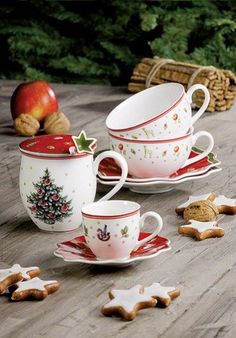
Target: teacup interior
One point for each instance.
(110, 208)
(144, 106)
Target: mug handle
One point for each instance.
(205, 103)
(124, 171)
(159, 225)
(205, 152)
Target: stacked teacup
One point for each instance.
(153, 130)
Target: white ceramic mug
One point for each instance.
(54, 185)
(112, 228)
(162, 111)
(161, 157)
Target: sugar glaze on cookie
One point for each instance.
(34, 288)
(226, 205)
(16, 274)
(127, 298)
(210, 196)
(128, 302)
(164, 294)
(201, 226)
(34, 283)
(201, 230)
(222, 200)
(16, 268)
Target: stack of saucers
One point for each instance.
(153, 131)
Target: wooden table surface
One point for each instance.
(205, 271)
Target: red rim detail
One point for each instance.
(128, 214)
(129, 140)
(53, 146)
(151, 120)
(48, 157)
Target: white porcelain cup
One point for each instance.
(54, 185)
(162, 111)
(112, 228)
(159, 157)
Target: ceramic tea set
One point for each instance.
(151, 140)
(153, 131)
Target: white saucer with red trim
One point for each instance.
(110, 171)
(77, 251)
(155, 187)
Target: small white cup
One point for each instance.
(159, 157)
(162, 111)
(112, 228)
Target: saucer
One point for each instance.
(154, 187)
(77, 251)
(109, 170)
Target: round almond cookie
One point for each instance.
(180, 208)
(203, 211)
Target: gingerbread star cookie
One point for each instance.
(163, 294)
(210, 197)
(127, 303)
(35, 288)
(16, 274)
(201, 230)
(225, 205)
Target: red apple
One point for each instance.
(35, 98)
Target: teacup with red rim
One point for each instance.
(159, 157)
(162, 111)
(111, 228)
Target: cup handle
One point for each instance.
(159, 225)
(205, 152)
(124, 171)
(205, 103)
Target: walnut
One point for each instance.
(202, 211)
(26, 125)
(56, 123)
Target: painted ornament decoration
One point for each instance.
(103, 234)
(125, 231)
(47, 203)
(84, 144)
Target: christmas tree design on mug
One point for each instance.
(47, 203)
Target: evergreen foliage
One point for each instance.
(101, 41)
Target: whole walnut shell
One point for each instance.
(202, 211)
(56, 123)
(26, 125)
